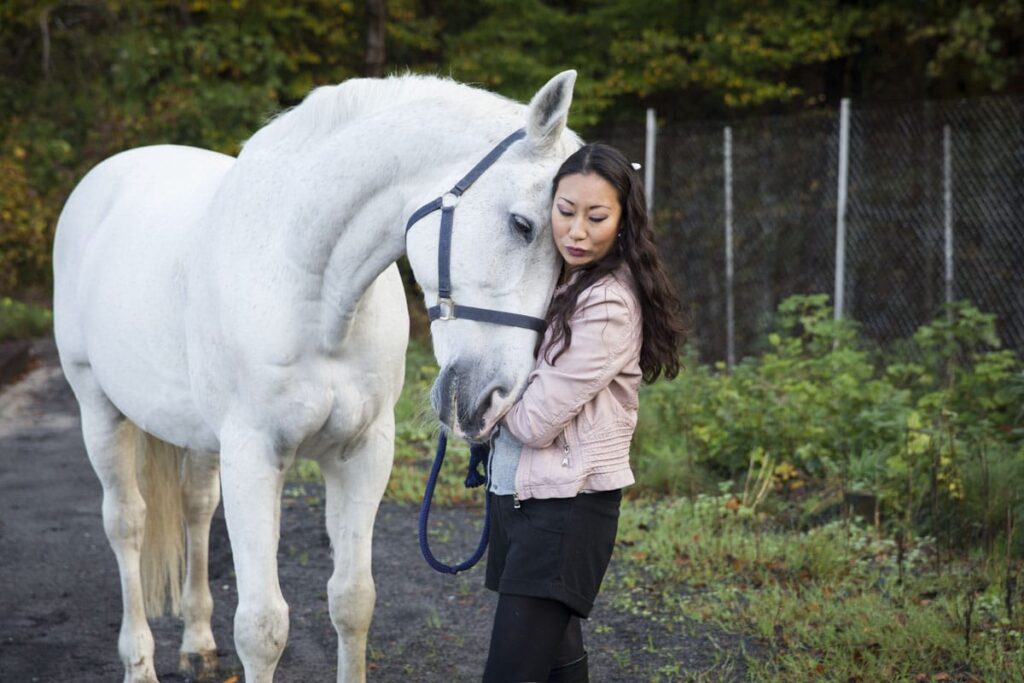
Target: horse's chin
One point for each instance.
(481, 435)
(464, 414)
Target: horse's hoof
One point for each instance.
(141, 671)
(141, 677)
(198, 666)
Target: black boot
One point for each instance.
(574, 672)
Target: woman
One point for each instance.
(560, 457)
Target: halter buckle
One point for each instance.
(447, 307)
(449, 200)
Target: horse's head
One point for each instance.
(502, 260)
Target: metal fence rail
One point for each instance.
(934, 210)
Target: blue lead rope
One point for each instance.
(477, 456)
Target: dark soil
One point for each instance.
(60, 605)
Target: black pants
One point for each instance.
(546, 559)
(535, 639)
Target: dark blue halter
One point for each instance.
(447, 309)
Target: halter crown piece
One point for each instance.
(447, 309)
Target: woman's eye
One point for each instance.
(564, 212)
(597, 219)
(522, 226)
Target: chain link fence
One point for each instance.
(922, 178)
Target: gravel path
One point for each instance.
(60, 604)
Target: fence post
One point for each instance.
(730, 321)
(844, 165)
(649, 146)
(947, 212)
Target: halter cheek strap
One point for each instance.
(446, 308)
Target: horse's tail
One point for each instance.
(158, 468)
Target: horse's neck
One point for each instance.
(337, 208)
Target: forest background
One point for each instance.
(750, 481)
(80, 81)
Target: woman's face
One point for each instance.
(585, 218)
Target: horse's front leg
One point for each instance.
(252, 475)
(200, 493)
(354, 487)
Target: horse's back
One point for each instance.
(153, 187)
(119, 289)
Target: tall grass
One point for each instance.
(835, 602)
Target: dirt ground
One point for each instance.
(60, 604)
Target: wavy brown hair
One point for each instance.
(634, 245)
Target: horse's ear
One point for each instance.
(549, 110)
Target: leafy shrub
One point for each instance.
(22, 321)
(937, 434)
(25, 221)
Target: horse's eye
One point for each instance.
(521, 225)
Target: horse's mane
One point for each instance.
(330, 106)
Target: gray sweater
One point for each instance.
(502, 462)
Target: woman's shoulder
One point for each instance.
(617, 286)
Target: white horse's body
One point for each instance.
(225, 316)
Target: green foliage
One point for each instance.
(82, 81)
(26, 221)
(925, 435)
(810, 400)
(23, 321)
(696, 58)
(973, 44)
(111, 75)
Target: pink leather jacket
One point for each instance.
(576, 418)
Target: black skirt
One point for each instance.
(555, 548)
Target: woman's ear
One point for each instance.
(549, 110)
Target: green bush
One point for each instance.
(936, 434)
(23, 321)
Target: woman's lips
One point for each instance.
(573, 251)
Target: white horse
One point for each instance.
(219, 317)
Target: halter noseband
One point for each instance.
(446, 308)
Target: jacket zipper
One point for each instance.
(515, 501)
(565, 450)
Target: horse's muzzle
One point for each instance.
(464, 396)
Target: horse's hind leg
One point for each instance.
(200, 491)
(110, 443)
(354, 488)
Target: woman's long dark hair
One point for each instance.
(659, 307)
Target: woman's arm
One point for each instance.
(603, 332)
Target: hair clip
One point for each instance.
(636, 166)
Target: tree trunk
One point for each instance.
(376, 25)
(44, 29)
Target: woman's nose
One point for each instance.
(576, 229)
